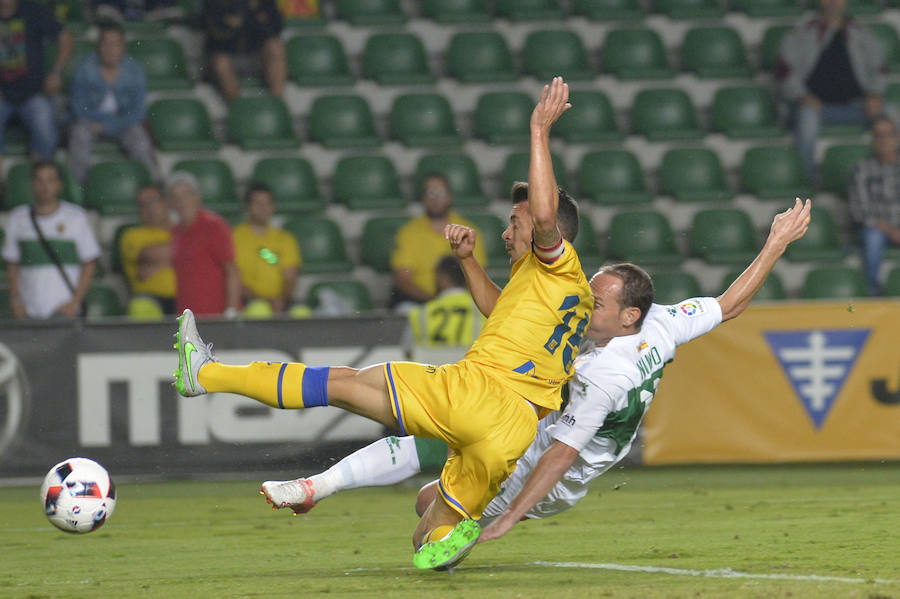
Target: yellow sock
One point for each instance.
(437, 534)
(276, 384)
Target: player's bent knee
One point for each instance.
(426, 495)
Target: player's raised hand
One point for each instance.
(461, 238)
(791, 225)
(554, 101)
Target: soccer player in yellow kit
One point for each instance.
(486, 406)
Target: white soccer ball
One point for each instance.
(78, 495)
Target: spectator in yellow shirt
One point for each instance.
(420, 244)
(268, 258)
(146, 251)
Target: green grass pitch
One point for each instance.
(779, 531)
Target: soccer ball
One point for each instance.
(78, 495)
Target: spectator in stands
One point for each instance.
(146, 250)
(449, 321)
(109, 100)
(831, 69)
(241, 34)
(299, 9)
(268, 257)
(137, 10)
(875, 198)
(206, 278)
(420, 244)
(50, 251)
(27, 30)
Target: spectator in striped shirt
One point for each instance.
(875, 198)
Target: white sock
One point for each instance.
(384, 462)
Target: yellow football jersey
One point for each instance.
(531, 338)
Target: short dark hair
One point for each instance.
(637, 287)
(154, 186)
(257, 188)
(38, 165)
(433, 175)
(450, 267)
(109, 25)
(566, 211)
(883, 116)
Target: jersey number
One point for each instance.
(440, 331)
(560, 337)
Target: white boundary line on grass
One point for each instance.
(719, 573)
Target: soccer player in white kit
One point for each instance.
(612, 389)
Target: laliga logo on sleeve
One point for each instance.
(817, 363)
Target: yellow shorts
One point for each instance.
(487, 426)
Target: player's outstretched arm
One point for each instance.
(542, 194)
(550, 468)
(462, 243)
(787, 227)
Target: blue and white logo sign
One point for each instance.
(817, 363)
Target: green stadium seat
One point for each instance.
(723, 236)
(551, 52)
(769, 8)
(665, 115)
(110, 187)
(503, 117)
(293, 184)
(772, 289)
(672, 287)
(635, 53)
(714, 53)
(216, 182)
(587, 245)
(892, 284)
(423, 120)
(770, 46)
(863, 7)
(890, 44)
(891, 96)
(352, 295)
(342, 121)
(461, 173)
(693, 175)
(370, 12)
(80, 50)
(838, 164)
(745, 112)
(689, 9)
(480, 57)
(611, 177)
(610, 10)
(774, 173)
(834, 282)
(164, 63)
(644, 237)
(317, 61)
(594, 119)
(367, 183)
(101, 302)
(396, 59)
(456, 11)
(490, 229)
(18, 186)
(377, 243)
(515, 168)
(529, 10)
(322, 244)
(15, 138)
(181, 125)
(261, 123)
(821, 242)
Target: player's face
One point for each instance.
(46, 185)
(606, 319)
(518, 234)
(260, 208)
